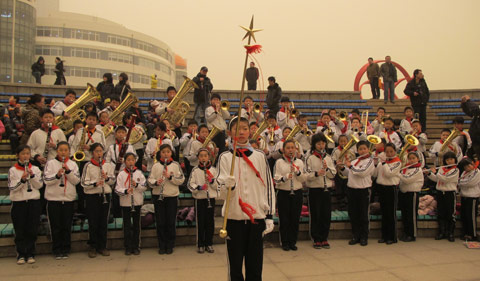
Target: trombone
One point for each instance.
(364, 123)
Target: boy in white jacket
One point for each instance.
(203, 185)
(321, 172)
(24, 182)
(60, 180)
(469, 185)
(215, 117)
(131, 184)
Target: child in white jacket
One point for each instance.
(469, 185)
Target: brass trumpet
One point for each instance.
(225, 105)
(373, 140)
(343, 116)
(271, 141)
(364, 120)
(293, 112)
(257, 108)
(79, 155)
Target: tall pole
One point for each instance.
(12, 59)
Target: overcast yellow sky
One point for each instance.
(310, 45)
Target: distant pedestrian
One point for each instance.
(373, 73)
(389, 74)
(252, 77)
(38, 70)
(60, 72)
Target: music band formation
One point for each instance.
(104, 162)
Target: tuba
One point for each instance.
(117, 115)
(75, 111)
(353, 141)
(455, 133)
(294, 132)
(208, 140)
(263, 126)
(410, 140)
(136, 135)
(180, 106)
(373, 140)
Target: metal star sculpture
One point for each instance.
(250, 32)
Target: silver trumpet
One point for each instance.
(162, 185)
(29, 186)
(292, 172)
(132, 185)
(62, 182)
(207, 183)
(103, 185)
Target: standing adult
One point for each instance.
(373, 72)
(274, 95)
(122, 88)
(472, 109)
(31, 116)
(106, 88)
(419, 94)
(252, 76)
(60, 72)
(38, 70)
(201, 95)
(389, 74)
(153, 81)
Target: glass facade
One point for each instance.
(25, 21)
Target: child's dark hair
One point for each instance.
(35, 98)
(129, 154)
(464, 162)
(302, 116)
(330, 110)
(388, 119)
(287, 142)
(362, 142)
(120, 128)
(381, 108)
(235, 121)
(356, 118)
(192, 122)
(383, 141)
(416, 121)
(115, 99)
(286, 128)
(161, 126)
(342, 136)
(20, 148)
(447, 130)
(95, 145)
(271, 116)
(46, 111)
(162, 147)
(391, 145)
(171, 88)
(77, 121)
(92, 114)
(413, 153)
(201, 127)
(458, 120)
(318, 138)
(63, 143)
(449, 155)
(407, 108)
(325, 114)
(70, 91)
(355, 110)
(247, 98)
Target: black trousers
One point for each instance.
(469, 216)
(165, 220)
(97, 214)
(246, 242)
(374, 87)
(409, 207)
(289, 210)
(358, 211)
(475, 149)
(219, 141)
(252, 86)
(80, 192)
(320, 210)
(205, 221)
(140, 153)
(446, 203)
(131, 227)
(388, 206)
(60, 215)
(422, 114)
(26, 218)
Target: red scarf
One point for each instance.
(340, 147)
(129, 176)
(446, 170)
(67, 103)
(209, 174)
(360, 159)
(378, 151)
(291, 161)
(318, 154)
(393, 160)
(321, 124)
(45, 127)
(283, 109)
(388, 133)
(418, 165)
(449, 146)
(409, 119)
(96, 163)
(90, 134)
(249, 163)
(119, 144)
(200, 139)
(22, 168)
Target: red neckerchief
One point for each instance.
(388, 133)
(65, 177)
(360, 159)
(321, 124)
(449, 146)
(318, 154)
(393, 160)
(129, 176)
(67, 103)
(242, 151)
(414, 148)
(21, 167)
(169, 161)
(200, 139)
(409, 119)
(418, 165)
(477, 164)
(96, 163)
(380, 150)
(340, 147)
(291, 161)
(446, 170)
(45, 127)
(90, 134)
(276, 128)
(207, 171)
(136, 111)
(283, 109)
(345, 127)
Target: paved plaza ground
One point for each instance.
(423, 260)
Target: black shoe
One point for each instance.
(392, 102)
(285, 247)
(440, 236)
(161, 251)
(381, 240)
(293, 247)
(353, 241)
(136, 252)
(363, 242)
(127, 252)
(169, 251)
(451, 238)
(409, 239)
(389, 242)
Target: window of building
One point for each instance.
(114, 56)
(119, 40)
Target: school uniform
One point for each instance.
(277, 136)
(91, 137)
(185, 144)
(138, 146)
(359, 134)
(319, 197)
(422, 142)
(469, 185)
(387, 174)
(277, 152)
(447, 180)
(464, 141)
(60, 202)
(195, 147)
(405, 126)
(131, 205)
(411, 183)
(166, 209)
(217, 119)
(97, 199)
(152, 147)
(340, 182)
(253, 188)
(338, 124)
(377, 127)
(59, 107)
(38, 140)
(359, 181)
(329, 131)
(437, 155)
(289, 197)
(26, 207)
(110, 139)
(285, 120)
(203, 185)
(114, 150)
(304, 141)
(253, 116)
(392, 137)
(162, 107)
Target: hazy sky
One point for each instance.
(310, 45)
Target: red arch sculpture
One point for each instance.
(358, 87)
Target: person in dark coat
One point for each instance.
(122, 88)
(31, 116)
(419, 94)
(106, 89)
(389, 74)
(60, 72)
(38, 70)
(472, 109)
(252, 76)
(201, 96)
(274, 95)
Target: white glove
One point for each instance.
(268, 226)
(230, 182)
